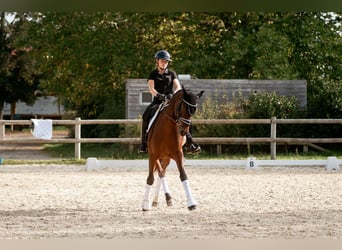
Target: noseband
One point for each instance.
(191, 108)
(188, 108)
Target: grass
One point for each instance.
(120, 151)
(64, 154)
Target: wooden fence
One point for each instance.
(272, 140)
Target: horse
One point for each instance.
(165, 140)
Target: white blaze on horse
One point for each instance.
(166, 138)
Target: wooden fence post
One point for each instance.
(2, 130)
(273, 137)
(77, 138)
(219, 149)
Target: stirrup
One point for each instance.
(193, 149)
(142, 148)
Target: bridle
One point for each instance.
(181, 120)
(188, 109)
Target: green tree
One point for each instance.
(17, 81)
(287, 46)
(317, 54)
(86, 57)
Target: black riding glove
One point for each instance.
(168, 96)
(160, 97)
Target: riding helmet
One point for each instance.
(163, 54)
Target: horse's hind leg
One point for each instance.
(158, 187)
(166, 191)
(161, 182)
(168, 198)
(164, 163)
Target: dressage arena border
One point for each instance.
(331, 163)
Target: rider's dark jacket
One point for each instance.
(163, 84)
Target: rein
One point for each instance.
(181, 119)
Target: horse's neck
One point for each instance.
(171, 109)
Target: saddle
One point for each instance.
(155, 111)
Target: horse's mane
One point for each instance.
(188, 95)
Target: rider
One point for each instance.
(162, 82)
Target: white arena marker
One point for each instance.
(251, 163)
(92, 164)
(332, 163)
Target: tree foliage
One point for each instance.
(85, 58)
(17, 81)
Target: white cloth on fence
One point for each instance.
(42, 128)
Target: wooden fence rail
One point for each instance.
(272, 140)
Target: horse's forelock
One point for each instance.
(189, 96)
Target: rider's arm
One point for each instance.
(176, 85)
(151, 88)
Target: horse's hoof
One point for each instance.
(193, 207)
(146, 205)
(168, 199)
(154, 204)
(145, 210)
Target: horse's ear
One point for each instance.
(200, 94)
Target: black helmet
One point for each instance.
(163, 54)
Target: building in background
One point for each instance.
(47, 107)
(218, 90)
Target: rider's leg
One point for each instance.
(191, 147)
(144, 125)
(143, 145)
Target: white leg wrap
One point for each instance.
(158, 186)
(146, 205)
(165, 186)
(190, 200)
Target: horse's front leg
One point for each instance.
(191, 202)
(146, 204)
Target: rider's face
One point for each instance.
(162, 63)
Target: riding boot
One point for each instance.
(190, 147)
(143, 145)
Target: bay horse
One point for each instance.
(165, 140)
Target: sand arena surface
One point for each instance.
(65, 201)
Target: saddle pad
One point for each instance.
(154, 117)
